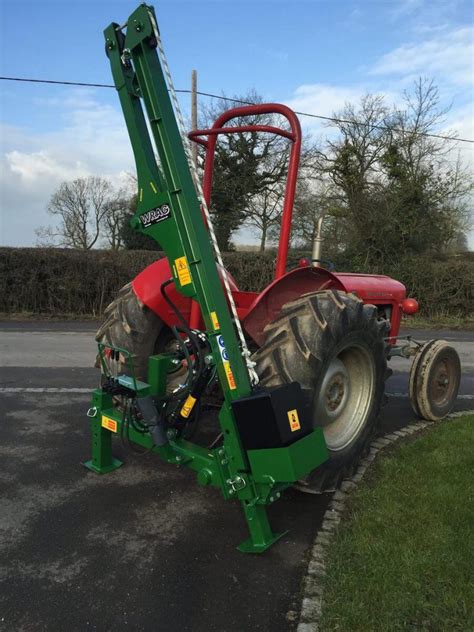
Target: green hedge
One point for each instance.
(443, 287)
(58, 281)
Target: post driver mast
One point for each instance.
(268, 441)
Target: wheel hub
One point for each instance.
(335, 393)
(441, 385)
(345, 396)
(334, 390)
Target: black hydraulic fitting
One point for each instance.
(147, 408)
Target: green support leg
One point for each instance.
(102, 460)
(261, 535)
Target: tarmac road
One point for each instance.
(142, 548)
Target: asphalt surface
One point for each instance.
(144, 547)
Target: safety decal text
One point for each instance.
(294, 420)
(188, 406)
(215, 321)
(226, 364)
(155, 215)
(229, 375)
(109, 424)
(182, 270)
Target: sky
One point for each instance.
(313, 55)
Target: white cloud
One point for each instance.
(328, 100)
(421, 14)
(72, 98)
(91, 138)
(461, 120)
(324, 99)
(449, 55)
(30, 167)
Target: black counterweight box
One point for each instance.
(273, 417)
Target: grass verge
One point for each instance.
(404, 558)
(439, 321)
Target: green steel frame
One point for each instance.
(166, 191)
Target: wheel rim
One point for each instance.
(443, 383)
(345, 396)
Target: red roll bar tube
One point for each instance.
(294, 136)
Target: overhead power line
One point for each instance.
(332, 119)
(61, 83)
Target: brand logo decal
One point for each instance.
(155, 215)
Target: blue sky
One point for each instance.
(312, 55)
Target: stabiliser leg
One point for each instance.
(261, 535)
(102, 460)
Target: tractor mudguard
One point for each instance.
(257, 310)
(147, 287)
(373, 289)
(287, 288)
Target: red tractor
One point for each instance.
(331, 332)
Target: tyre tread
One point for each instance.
(298, 336)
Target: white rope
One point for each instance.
(254, 379)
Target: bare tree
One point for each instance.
(263, 213)
(80, 207)
(249, 174)
(427, 189)
(396, 190)
(315, 199)
(420, 115)
(352, 161)
(118, 210)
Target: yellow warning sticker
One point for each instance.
(230, 375)
(294, 420)
(215, 322)
(182, 270)
(108, 423)
(188, 406)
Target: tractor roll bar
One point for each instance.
(294, 136)
(237, 128)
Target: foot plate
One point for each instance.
(247, 546)
(103, 470)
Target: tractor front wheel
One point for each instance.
(334, 346)
(435, 376)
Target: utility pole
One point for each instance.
(194, 113)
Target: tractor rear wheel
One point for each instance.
(334, 346)
(131, 325)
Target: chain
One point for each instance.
(254, 379)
